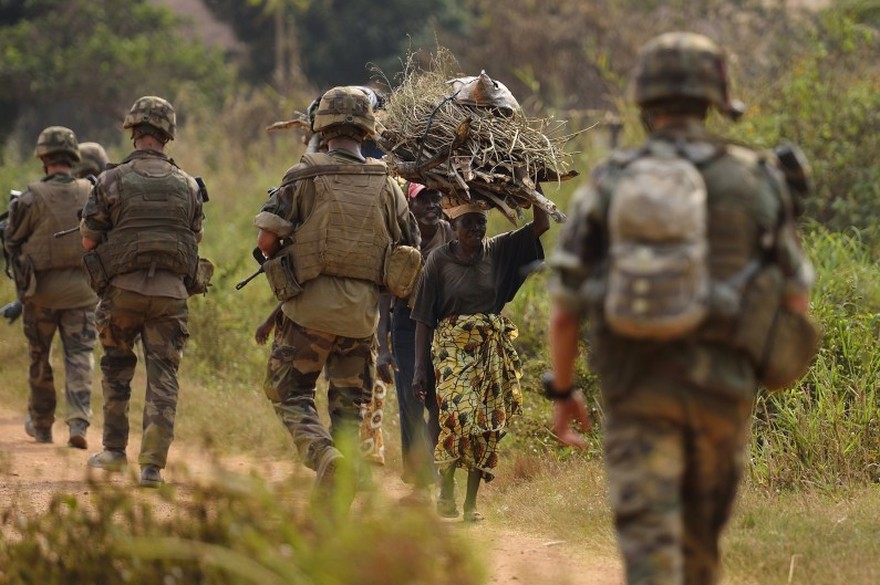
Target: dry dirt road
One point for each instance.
(32, 473)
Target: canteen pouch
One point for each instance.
(201, 280)
(792, 344)
(403, 264)
(98, 279)
(780, 343)
(279, 273)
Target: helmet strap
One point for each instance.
(148, 130)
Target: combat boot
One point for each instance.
(151, 476)
(42, 435)
(77, 438)
(335, 485)
(109, 460)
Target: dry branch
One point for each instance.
(470, 152)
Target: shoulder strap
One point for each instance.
(319, 170)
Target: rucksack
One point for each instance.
(658, 283)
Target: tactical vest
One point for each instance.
(55, 208)
(346, 234)
(153, 230)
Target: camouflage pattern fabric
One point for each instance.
(57, 139)
(672, 477)
(76, 328)
(161, 323)
(153, 111)
(297, 359)
(372, 441)
(681, 64)
(478, 373)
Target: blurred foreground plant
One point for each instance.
(234, 530)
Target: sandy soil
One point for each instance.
(31, 473)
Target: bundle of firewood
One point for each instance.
(468, 138)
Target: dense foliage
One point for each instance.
(83, 62)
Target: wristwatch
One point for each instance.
(550, 391)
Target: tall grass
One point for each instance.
(826, 431)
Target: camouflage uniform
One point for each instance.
(333, 320)
(54, 289)
(141, 299)
(678, 412)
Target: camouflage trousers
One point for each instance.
(298, 357)
(672, 479)
(76, 328)
(161, 324)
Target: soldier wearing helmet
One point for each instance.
(93, 160)
(326, 232)
(677, 405)
(53, 287)
(141, 226)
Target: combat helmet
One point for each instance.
(57, 140)
(345, 111)
(94, 159)
(155, 112)
(684, 65)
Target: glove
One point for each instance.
(12, 311)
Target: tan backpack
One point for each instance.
(658, 279)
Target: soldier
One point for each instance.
(677, 362)
(326, 231)
(142, 225)
(53, 287)
(93, 161)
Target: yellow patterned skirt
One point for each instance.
(478, 373)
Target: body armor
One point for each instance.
(56, 204)
(346, 234)
(153, 231)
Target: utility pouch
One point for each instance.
(279, 273)
(201, 280)
(780, 343)
(791, 346)
(98, 278)
(403, 264)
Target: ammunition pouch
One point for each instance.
(99, 280)
(198, 284)
(781, 344)
(403, 264)
(280, 274)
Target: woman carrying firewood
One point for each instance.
(464, 286)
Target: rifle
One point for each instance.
(258, 256)
(70, 230)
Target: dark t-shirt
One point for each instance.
(449, 286)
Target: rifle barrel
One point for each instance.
(65, 232)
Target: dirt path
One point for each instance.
(31, 473)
